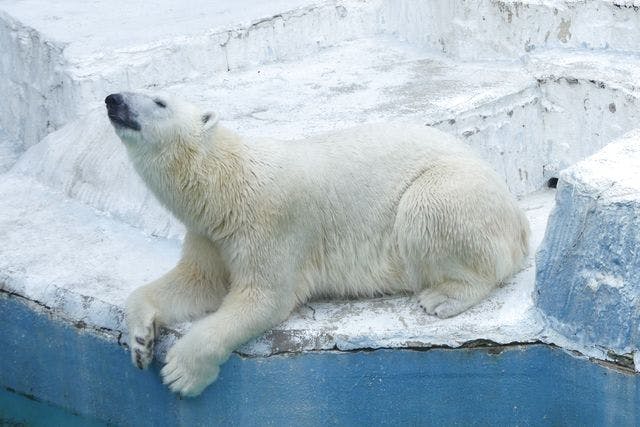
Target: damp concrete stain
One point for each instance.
(563, 30)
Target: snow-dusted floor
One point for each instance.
(90, 29)
(533, 85)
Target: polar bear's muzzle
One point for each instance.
(119, 112)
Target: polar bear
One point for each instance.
(366, 211)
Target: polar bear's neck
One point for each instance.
(204, 185)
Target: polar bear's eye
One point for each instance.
(160, 103)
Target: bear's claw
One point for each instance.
(141, 345)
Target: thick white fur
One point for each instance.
(370, 210)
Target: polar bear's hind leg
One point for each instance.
(461, 232)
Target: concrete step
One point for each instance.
(62, 58)
(590, 99)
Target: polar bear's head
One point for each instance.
(151, 122)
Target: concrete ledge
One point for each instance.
(82, 264)
(588, 267)
(89, 379)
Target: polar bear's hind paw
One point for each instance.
(437, 303)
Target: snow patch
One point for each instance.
(595, 279)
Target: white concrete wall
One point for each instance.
(50, 79)
(490, 29)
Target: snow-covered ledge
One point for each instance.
(588, 267)
(82, 265)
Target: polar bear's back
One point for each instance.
(371, 163)
(378, 149)
(386, 142)
(345, 195)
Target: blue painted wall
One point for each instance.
(525, 385)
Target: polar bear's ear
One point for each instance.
(209, 120)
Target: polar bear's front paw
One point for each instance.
(188, 371)
(141, 342)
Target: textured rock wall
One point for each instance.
(588, 266)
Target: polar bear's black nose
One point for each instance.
(119, 112)
(113, 100)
